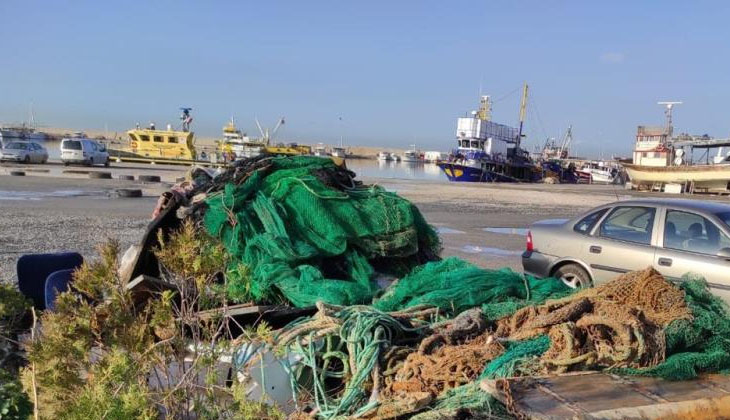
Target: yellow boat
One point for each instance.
(162, 144)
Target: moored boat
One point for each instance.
(660, 159)
(487, 151)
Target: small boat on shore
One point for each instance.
(598, 172)
(659, 159)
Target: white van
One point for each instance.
(84, 151)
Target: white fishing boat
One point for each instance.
(599, 172)
(385, 156)
(660, 159)
(411, 156)
(434, 156)
(320, 150)
(236, 142)
(339, 152)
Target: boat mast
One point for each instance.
(668, 113)
(523, 108)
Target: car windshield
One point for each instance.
(17, 146)
(72, 145)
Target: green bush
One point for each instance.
(14, 403)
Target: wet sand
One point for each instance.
(56, 211)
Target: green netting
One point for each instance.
(309, 241)
(465, 402)
(455, 285)
(698, 345)
(516, 353)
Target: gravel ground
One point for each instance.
(36, 219)
(42, 231)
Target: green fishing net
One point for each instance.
(305, 236)
(698, 345)
(455, 285)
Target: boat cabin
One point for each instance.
(651, 147)
(162, 143)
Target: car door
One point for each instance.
(622, 242)
(37, 153)
(690, 242)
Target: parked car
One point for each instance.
(24, 151)
(83, 151)
(674, 236)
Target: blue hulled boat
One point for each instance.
(487, 151)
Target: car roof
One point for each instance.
(679, 203)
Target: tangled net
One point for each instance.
(618, 324)
(361, 362)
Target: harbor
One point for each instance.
(364, 211)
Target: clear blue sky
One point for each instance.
(396, 71)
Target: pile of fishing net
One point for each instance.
(417, 357)
(301, 230)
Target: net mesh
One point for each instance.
(307, 231)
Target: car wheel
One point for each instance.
(106, 163)
(65, 163)
(27, 159)
(573, 276)
(91, 161)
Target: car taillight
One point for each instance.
(529, 246)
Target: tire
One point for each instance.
(129, 193)
(45, 160)
(100, 175)
(65, 163)
(106, 163)
(27, 159)
(126, 177)
(573, 276)
(91, 161)
(149, 178)
(17, 173)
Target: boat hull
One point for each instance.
(463, 173)
(703, 176)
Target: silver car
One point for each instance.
(674, 236)
(24, 152)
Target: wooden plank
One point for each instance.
(604, 396)
(144, 287)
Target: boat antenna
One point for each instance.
(668, 112)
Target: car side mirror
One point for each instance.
(724, 253)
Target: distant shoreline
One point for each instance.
(207, 143)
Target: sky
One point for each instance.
(377, 73)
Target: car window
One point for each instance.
(631, 224)
(691, 232)
(71, 145)
(17, 146)
(585, 224)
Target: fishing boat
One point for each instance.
(487, 151)
(385, 156)
(160, 146)
(598, 172)
(411, 156)
(339, 152)
(320, 150)
(238, 144)
(660, 159)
